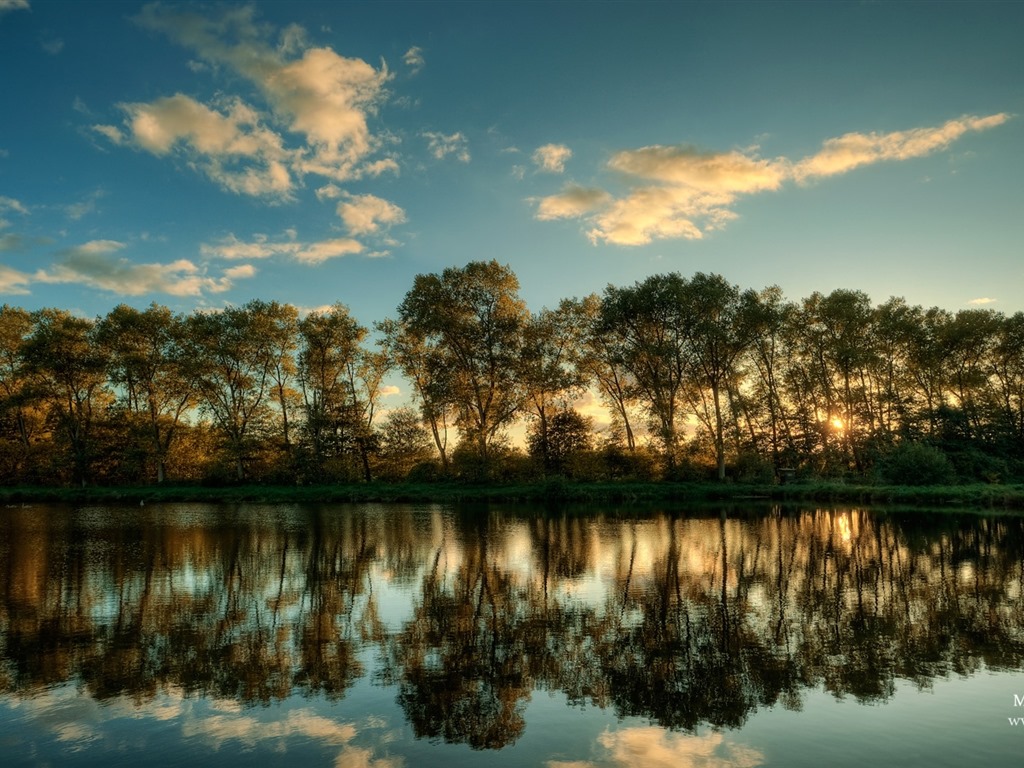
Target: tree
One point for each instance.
(69, 365)
(470, 322)
(720, 322)
(340, 383)
(549, 368)
(649, 331)
(148, 368)
(231, 362)
(599, 361)
(20, 417)
(425, 366)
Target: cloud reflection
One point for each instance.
(653, 747)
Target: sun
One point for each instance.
(837, 424)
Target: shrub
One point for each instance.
(912, 463)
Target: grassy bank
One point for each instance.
(955, 496)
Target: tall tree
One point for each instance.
(341, 384)
(650, 330)
(149, 370)
(69, 365)
(231, 363)
(471, 320)
(549, 369)
(20, 419)
(720, 322)
(425, 366)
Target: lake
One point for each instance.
(378, 636)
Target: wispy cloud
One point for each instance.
(982, 301)
(13, 5)
(853, 150)
(552, 157)
(84, 207)
(10, 204)
(442, 145)
(414, 60)
(263, 247)
(95, 264)
(12, 281)
(681, 192)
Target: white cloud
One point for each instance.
(679, 192)
(853, 150)
(13, 5)
(94, 264)
(262, 247)
(982, 301)
(572, 202)
(655, 747)
(112, 132)
(77, 210)
(230, 146)
(329, 192)
(11, 280)
(705, 171)
(442, 145)
(366, 214)
(389, 390)
(53, 47)
(413, 59)
(10, 204)
(321, 95)
(552, 157)
(317, 253)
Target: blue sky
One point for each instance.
(312, 152)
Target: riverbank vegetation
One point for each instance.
(698, 381)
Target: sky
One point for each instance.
(203, 155)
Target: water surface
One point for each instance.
(371, 636)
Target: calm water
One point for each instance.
(384, 636)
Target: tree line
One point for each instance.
(699, 378)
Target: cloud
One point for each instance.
(329, 192)
(730, 172)
(389, 390)
(441, 145)
(10, 241)
(413, 59)
(94, 264)
(10, 204)
(112, 132)
(655, 747)
(572, 202)
(11, 280)
(552, 157)
(983, 301)
(679, 191)
(77, 210)
(13, 5)
(320, 95)
(52, 47)
(262, 247)
(853, 150)
(366, 214)
(317, 253)
(230, 146)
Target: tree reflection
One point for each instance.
(682, 620)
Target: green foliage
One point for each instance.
(912, 463)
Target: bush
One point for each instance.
(912, 463)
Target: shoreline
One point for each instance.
(958, 497)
